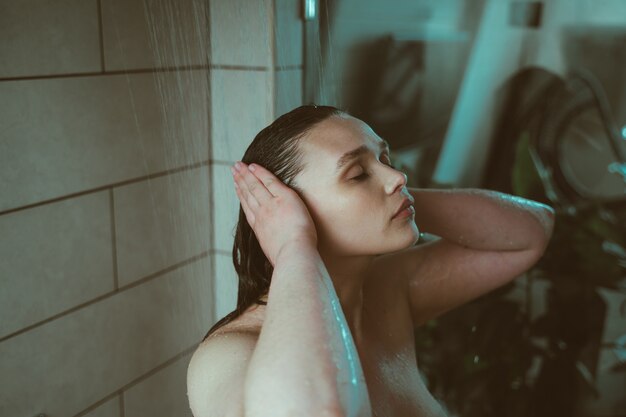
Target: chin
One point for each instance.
(413, 236)
(407, 241)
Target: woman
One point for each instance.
(331, 283)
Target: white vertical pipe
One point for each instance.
(494, 58)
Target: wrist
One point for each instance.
(300, 247)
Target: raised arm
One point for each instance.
(305, 362)
(485, 240)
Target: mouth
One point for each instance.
(405, 209)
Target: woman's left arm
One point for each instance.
(486, 239)
(483, 219)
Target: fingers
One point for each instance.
(268, 179)
(260, 183)
(244, 205)
(243, 198)
(253, 188)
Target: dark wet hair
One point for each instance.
(276, 149)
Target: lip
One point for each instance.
(405, 203)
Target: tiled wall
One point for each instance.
(117, 209)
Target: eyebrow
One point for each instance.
(355, 153)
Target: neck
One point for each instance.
(348, 274)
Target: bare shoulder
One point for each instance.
(216, 373)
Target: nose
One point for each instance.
(398, 180)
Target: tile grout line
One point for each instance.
(212, 266)
(122, 405)
(272, 25)
(107, 186)
(120, 391)
(212, 238)
(143, 71)
(113, 240)
(94, 405)
(102, 297)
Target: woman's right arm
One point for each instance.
(305, 362)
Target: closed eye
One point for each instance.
(364, 175)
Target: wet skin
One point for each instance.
(386, 349)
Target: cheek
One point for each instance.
(347, 217)
(358, 222)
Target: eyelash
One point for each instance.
(364, 175)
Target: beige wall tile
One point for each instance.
(160, 222)
(54, 257)
(67, 365)
(163, 394)
(166, 33)
(288, 91)
(111, 408)
(241, 105)
(240, 32)
(42, 37)
(66, 135)
(226, 206)
(289, 32)
(226, 286)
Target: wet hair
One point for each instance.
(276, 149)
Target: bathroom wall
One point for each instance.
(116, 201)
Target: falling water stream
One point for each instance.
(177, 33)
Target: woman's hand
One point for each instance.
(275, 212)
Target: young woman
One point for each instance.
(331, 283)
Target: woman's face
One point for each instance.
(352, 200)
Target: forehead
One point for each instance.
(328, 140)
